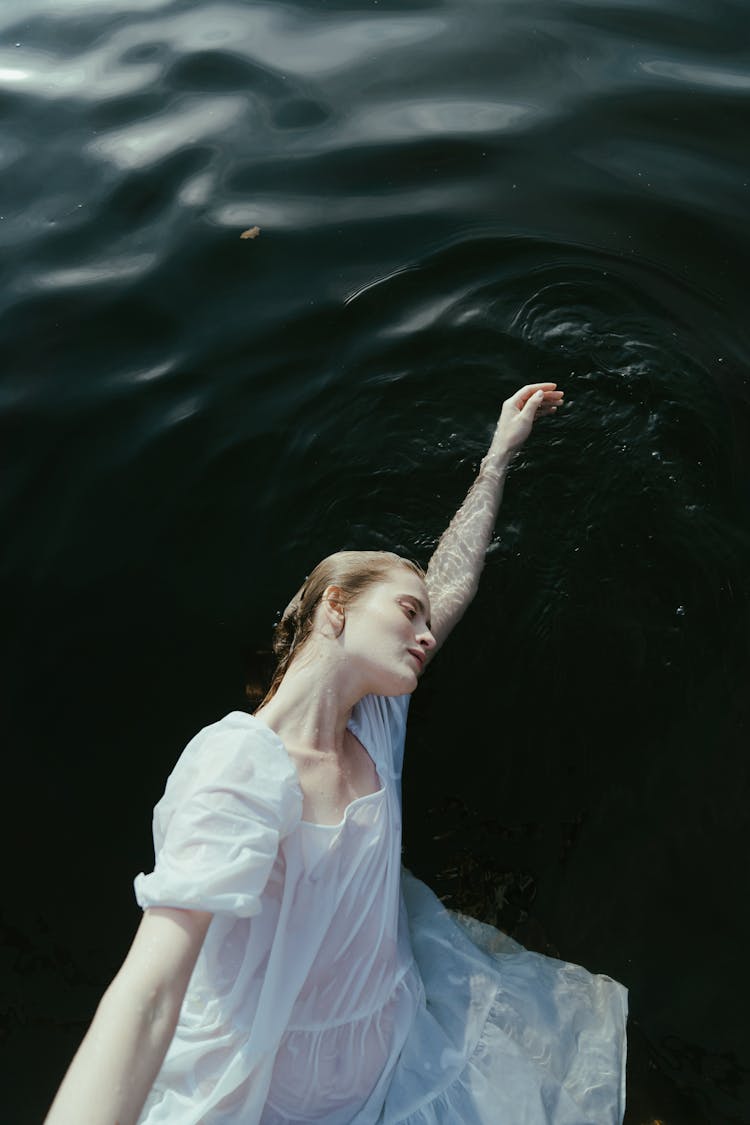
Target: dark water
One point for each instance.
(453, 199)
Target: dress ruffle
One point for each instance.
(504, 1036)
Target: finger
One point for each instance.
(531, 388)
(533, 403)
(524, 394)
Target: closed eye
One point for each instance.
(412, 608)
(409, 609)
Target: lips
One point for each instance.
(419, 655)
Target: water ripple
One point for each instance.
(715, 78)
(289, 211)
(115, 269)
(413, 120)
(91, 77)
(183, 124)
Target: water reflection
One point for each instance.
(153, 140)
(454, 198)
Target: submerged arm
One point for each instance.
(457, 562)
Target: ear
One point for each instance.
(332, 605)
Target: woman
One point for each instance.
(285, 971)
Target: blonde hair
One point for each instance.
(352, 572)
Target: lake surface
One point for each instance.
(453, 199)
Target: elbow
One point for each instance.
(157, 970)
(155, 1003)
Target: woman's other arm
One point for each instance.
(457, 562)
(113, 1070)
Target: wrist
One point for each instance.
(495, 462)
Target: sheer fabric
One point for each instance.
(334, 988)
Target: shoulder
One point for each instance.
(240, 755)
(231, 798)
(239, 740)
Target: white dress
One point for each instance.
(332, 986)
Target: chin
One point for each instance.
(410, 685)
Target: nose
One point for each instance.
(426, 639)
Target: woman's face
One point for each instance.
(387, 632)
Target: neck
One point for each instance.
(312, 705)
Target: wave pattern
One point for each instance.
(454, 197)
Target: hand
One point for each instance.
(520, 411)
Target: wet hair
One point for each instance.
(353, 572)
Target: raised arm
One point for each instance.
(112, 1073)
(457, 562)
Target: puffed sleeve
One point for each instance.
(231, 798)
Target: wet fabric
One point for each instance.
(335, 988)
